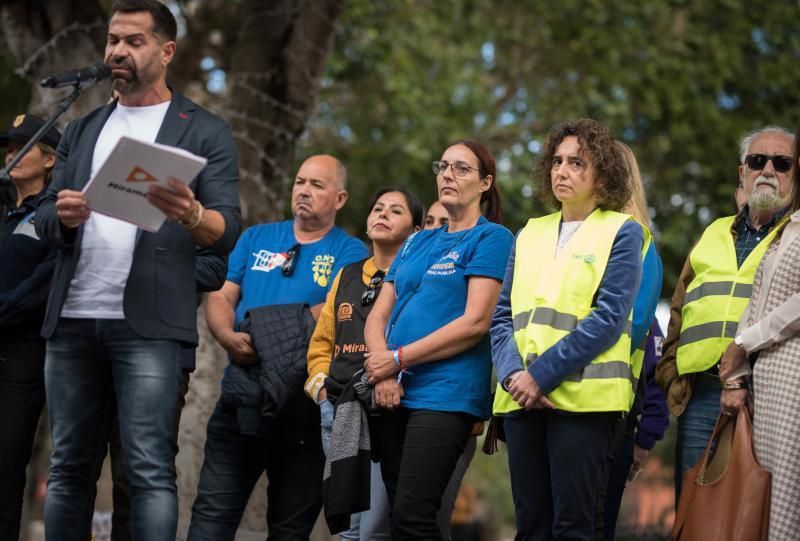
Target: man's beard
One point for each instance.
(765, 198)
(126, 86)
(122, 85)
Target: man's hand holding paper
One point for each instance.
(176, 200)
(71, 208)
(144, 183)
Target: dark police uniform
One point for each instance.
(26, 268)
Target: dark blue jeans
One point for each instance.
(234, 462)
(110, 445)
(557, 462)
(696, 425)
(85, 357)
(618, 478)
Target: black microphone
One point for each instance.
(82, 77)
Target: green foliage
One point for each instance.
(15, 90)
(678, 81)
(490, 476)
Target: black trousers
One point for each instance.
(21, 404)
(558, 465)
(234, 462)
(418, 451)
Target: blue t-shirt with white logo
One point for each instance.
(255, 264)
(430, 276)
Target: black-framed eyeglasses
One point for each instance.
(288, 265)
(368, 297)
(780, 162)
(460, 169)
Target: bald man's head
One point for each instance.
(331, 164)
(320, 190)
(341, 175)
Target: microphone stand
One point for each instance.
(8, 192)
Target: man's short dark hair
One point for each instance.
(163, 21)
(612, 186)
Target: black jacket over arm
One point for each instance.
(269, 395)
(159, 299)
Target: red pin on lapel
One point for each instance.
(183, 115)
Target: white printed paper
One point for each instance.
(120, 185)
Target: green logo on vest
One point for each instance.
(589, 258)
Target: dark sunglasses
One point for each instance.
(368, 297)
(757, 162)
(288, 265)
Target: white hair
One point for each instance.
(749, 137)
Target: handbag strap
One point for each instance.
(722, 422)
(744, 429)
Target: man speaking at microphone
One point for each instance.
(122, 301)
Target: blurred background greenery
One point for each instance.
(679, 81)
(384, 85)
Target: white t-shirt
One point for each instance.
(97, 289)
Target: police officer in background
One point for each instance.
(26, 267)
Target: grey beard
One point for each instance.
(767, 200)
(126, 86)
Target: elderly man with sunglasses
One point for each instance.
(713, 291)
(288, 262)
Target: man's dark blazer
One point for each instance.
(159, 300)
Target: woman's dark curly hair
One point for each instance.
(612, 184)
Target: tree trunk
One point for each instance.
(276, 67)
(50, 36)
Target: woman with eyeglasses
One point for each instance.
(561, 339)
(336, 351)
(428, 343)
(436, 217)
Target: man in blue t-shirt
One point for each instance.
(278, 263)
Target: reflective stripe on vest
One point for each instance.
(552, 294)
(553, 318)
(717, 296)
(637, 360)
(606, 370)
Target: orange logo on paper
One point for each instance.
(138, 174)
(345, 312)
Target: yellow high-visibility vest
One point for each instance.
(551, 294)
(637, 362)
(717, 296)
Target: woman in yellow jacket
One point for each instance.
(337, 348)
(561, 335)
